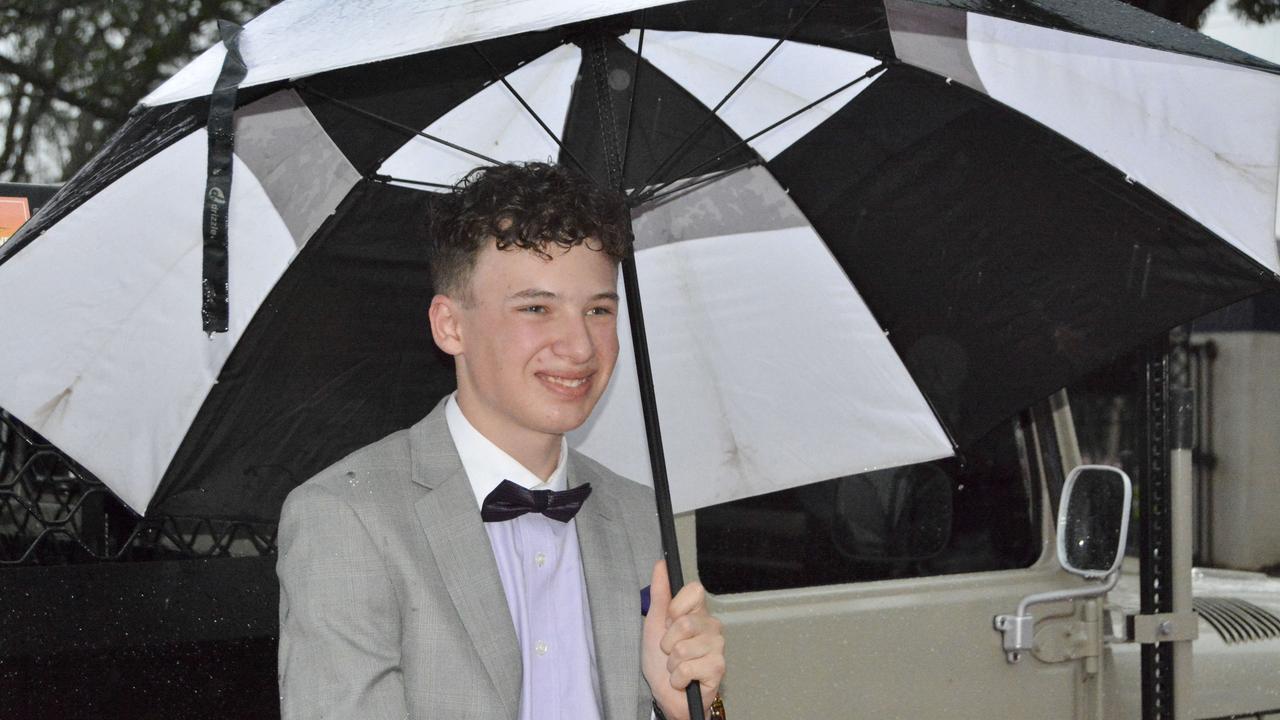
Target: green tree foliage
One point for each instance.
(1258, 11)
(70, 70)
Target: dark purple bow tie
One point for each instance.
(509, 500)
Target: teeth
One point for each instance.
(566, 382)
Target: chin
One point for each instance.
(567, 419)
(560, 426)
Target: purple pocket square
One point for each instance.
(644, 601)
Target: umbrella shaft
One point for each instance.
(653, 432)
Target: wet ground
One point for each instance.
(235, 679)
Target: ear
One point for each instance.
(446, 326)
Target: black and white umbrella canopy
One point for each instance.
(908, 220)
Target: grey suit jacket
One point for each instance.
(390, 601)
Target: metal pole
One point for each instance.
(1155, 534)
(1181, 472)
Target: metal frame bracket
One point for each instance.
(1066, 639)
(1161, 628)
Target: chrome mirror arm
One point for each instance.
(1018, 631)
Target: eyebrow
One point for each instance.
(536, 294)
(532, 294)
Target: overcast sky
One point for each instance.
(1260, 40)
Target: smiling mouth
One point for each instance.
(565, 382)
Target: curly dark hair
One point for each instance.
(524, 206)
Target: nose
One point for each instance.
(575, 342)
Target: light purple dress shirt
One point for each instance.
(541, 571)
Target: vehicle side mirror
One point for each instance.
(1093, 527)
(1093, 520)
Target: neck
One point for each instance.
(540, 455)
(539, 452)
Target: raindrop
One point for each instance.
(619, 79)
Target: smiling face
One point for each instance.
(535, 342)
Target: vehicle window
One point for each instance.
(1227, 359)
(938, 518)
(1106, 410)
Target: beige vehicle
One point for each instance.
(939, 590)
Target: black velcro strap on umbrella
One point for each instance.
(217, 191)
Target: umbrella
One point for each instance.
(867, 232)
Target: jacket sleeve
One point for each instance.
(339, 617)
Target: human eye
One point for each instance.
(532, 309)
(600, 310)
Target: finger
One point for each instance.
(694, 648)
(706, 671)
(689, 626)
(659, 589)
(659, 601)
(691, 598)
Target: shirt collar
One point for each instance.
(487, 464)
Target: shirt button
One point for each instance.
(541, 648)
(540, 559)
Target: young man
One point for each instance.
(472, 566)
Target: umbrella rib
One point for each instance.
(392, 123)
(388, 179)
(718, 156)
(706, 120)
(701, 181)
(631, 105)
(537, 118)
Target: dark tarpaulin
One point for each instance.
(37, 194)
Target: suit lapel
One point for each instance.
(461, 548)
(612, 592)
